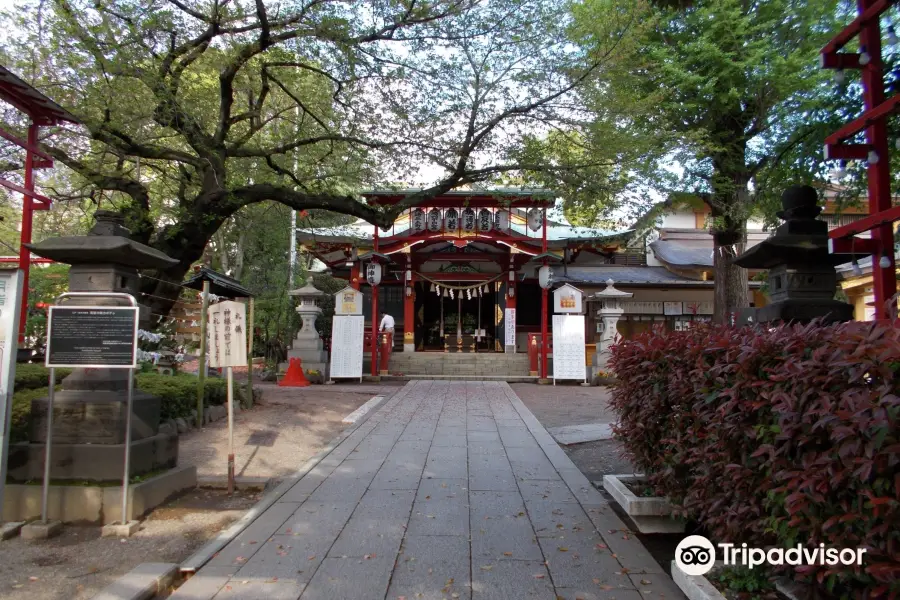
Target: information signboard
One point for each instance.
(10, 294)
(568, 347)
(92, 336)
(226, 331)
(347, 333)
(510, 327)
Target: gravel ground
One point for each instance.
(566, 404)
(285, 428)
(79, 563)
(288, 426)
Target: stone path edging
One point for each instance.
(205, 553)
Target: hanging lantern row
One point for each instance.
(482, 221)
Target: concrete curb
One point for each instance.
(205, 553)
(695, 587)
(144, 581)
(357, 414)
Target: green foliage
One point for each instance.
(45, 284)
(21, 410)
(773, 436)
(179, 392)
(30, 376)
(756, 583)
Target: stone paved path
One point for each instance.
(449, 490)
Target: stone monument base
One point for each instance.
(93, 462)
(97, 505)
(802, 311)
(95, 417)
(312, 359)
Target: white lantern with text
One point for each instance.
(545, 276)
(373, 273)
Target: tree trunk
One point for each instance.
(731, 286)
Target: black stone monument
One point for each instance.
(89, 411)
(802, 281)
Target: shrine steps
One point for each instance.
(440, 365)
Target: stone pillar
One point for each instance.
(612, 307)
(89, 412)
(307, 345)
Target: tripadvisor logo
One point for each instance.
(696, 555)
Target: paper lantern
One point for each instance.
(373, 273)
(468, 220)
(417, 221)
(545, 276)
(535, 219)
(501, 220)
(434, 220)
(451, 220)
(485, 220)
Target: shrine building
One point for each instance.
(449, 270)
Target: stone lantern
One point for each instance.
(802, 280)
(308, 345)
(89, 411)
(612, 306)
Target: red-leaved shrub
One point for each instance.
(774, 437)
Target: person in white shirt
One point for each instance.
(387, 324)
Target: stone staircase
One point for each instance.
(440, 365)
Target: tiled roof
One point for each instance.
(680, 255)
(655, 276)
(219, 285)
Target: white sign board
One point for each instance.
(698, 308)
(672, 308)
(510, 327)
(347, 332)
(348, 302)
(226, 333)
(568, 299)
(10, 302)
(568, 347)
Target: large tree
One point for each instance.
(728, 80)
(194, 109)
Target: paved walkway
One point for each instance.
(449, 490)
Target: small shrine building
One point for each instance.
(448, 270)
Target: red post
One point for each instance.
(409, 316)
(354, 276)
(879, 174)
(27, 214)
(532, 354)
(544, 351)
(387, 343)
(544, 294)
(374, 344)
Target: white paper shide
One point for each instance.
(226, 334)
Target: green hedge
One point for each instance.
(178, 393)
(774, 436)
(31, 376)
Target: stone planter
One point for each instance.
(695, 587)
(650, 515)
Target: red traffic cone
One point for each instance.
(294, 376)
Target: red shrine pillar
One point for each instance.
(375, 320)
(373, 346)
(27, 219)
(354, 276)
(409, 314)
(545, 344)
